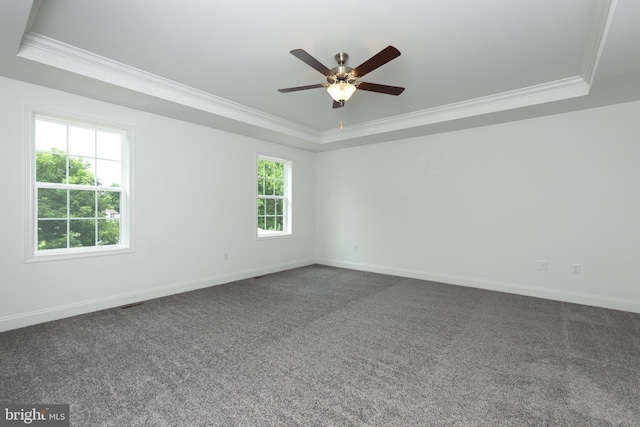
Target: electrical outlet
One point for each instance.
(226, 256)
(542, 265)
(355, 248)
(575, 268)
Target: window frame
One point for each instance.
(126, 245)
(287, 226)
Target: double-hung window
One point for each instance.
(274, 197)
(80, 200)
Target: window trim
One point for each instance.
(287, 213)
(32, 254)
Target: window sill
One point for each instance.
(58, 255)
(272, 236)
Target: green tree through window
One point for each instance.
(73, 208)
(273, 196)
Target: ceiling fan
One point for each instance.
(342, 81)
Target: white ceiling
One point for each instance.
(464, 62)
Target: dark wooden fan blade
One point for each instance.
(311, 61)
(374, 87)
(294, 89)
(377, 60)
(337, 104)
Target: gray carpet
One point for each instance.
(328, 346)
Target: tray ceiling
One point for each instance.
(463, 63)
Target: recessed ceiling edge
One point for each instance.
(54, 53)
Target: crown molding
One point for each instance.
(45, 50)
(600, 25)
(547, 92)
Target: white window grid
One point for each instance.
(282, 203)
(123, 191)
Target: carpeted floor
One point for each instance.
(327, 346)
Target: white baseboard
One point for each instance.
(68, 310)
(532, 291)
(60, 312)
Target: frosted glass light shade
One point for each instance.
(341, 91)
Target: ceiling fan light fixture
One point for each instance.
(341, 91)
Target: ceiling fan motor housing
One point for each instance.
(341, 73)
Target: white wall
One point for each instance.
(194, 200)
(477, 207)
(481, 207)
